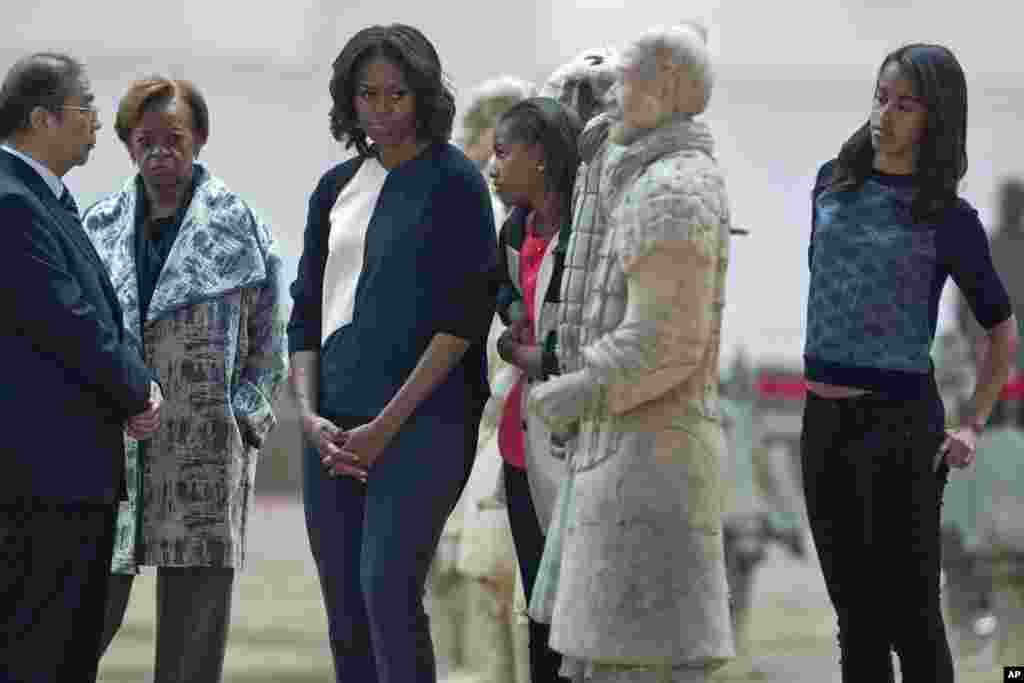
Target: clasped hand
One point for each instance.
(145, 424)
(350, 453)
(515, 347)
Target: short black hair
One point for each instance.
(410, 50)
(942, 160)
(556, 128)
(43, 79)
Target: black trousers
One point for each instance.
(373, 544)
(54, 564)
(193, 612)
(529, 542)
(873, 499)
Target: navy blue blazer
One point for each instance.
(428, 267)
(70, 380)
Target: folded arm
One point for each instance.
(665, 332)
(668, 243)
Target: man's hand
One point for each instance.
(145, 424)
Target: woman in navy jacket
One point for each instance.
(393, 302)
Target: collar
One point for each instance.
(681, 132)
(622, 162)
(49, 177)
(893, 180)
(221, 247)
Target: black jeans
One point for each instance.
(529, 542)
(873, 499)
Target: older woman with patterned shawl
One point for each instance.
(197, 275)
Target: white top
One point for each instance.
(350, 218)
(51, 179)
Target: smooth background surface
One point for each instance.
(795, 79)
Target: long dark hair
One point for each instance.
(410, 50)
(942, 155)
(556, 128)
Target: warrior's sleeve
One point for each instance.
(671, 241)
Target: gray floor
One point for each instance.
(277, 631)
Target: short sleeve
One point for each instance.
(671, 207)
(965, 248)
(467, 261)
(304, 322)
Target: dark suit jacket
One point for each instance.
(70, 381)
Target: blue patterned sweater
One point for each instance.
(876, 279)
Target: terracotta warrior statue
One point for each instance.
(633, 578)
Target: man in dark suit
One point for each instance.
(71, 386)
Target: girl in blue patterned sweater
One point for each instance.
(888, 228)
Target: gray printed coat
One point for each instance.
(215, 338)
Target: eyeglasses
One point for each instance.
(91, 110)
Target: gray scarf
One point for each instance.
(624, 162)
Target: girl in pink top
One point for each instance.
(534, 171)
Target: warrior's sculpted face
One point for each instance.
(480, 150)
(643, 101)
